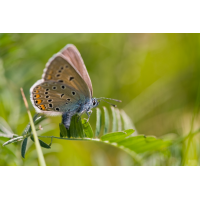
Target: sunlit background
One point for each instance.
(155, 75)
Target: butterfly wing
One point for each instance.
(61, 70)
(54, 98)
(72, 54)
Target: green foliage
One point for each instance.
(155, 75)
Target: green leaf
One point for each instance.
(114, 120)
(79, 128)
(141, 144)
(132, 140)
(42, 143)
(23, 149)
(63, 131)
(36, 119)
(119, 121)
(87, 128)
(129, 131)
(106, 120)
(73, 126)
(126, 120)
(17, 139)
(98, 122)
(112, 137)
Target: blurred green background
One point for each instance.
(155, 75)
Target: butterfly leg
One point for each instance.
(88, 114)
(66, 120)
(81, 114)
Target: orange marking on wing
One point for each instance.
(37, 96)
(49, 77)
(39, 101)
(38, 87)
(36, 91)
(42, 107)
(50, 71)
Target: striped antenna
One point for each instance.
(109, 103)
(101, 98)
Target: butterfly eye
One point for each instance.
(94, 103)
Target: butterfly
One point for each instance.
(65, 88)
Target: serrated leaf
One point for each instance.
(98, 122)
(87, 128)
(23, 149)
(42, 143)
(112, 137)
(17, 139)
(106, 120)
(114, 120)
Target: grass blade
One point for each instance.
(98, 122)
(37, 145)
(106, 120)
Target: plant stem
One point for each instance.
(37, 145)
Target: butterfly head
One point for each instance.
(95, 102)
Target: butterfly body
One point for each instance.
(65, 88)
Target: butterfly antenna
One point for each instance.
(101, 98)
(109, 103)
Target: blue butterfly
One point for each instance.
(65, 88)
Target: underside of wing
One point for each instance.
(55, 98)
(60, 70)
(73, 55)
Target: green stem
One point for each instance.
(37, 144)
